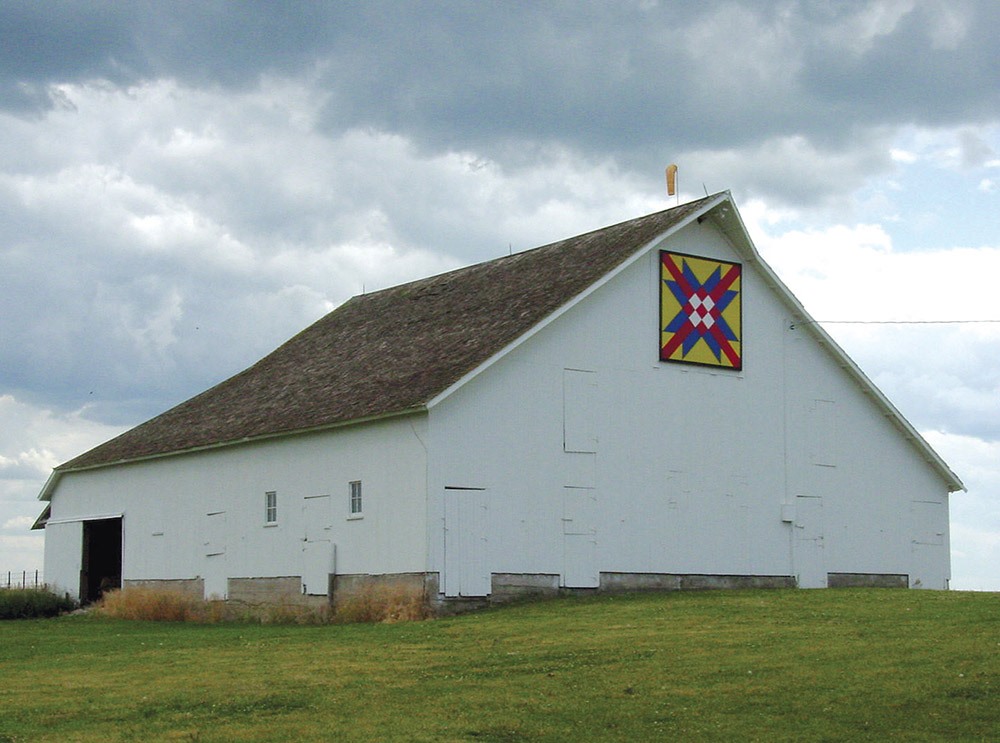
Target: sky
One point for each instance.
(184, 186)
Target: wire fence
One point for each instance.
(22, 579)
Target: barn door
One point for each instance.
(580, 538)
(215, 555)
(318, 549)
(101, 559)
(928, 566)
(809, 549)
(466, 571)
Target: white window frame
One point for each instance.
(271, 508)
(355, 504)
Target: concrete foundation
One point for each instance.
(192, 587)
(282, 589)
(508, 587)
(505, 587)
(345, 586)
(867, 580)
(618, 582)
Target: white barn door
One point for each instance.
(216, 576)
(318, 549)
(580, 538)
(929, 521)
(466, 570)
(808, 547)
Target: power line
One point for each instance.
(905, 322)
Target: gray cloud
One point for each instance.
(627, 79)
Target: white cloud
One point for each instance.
(32, 441)
(975, 515)
(858, 31)
(902, 156)
(23, 552)
(952, 148)
(940, 375)
(40, 438)
(18, 523)
(948, 23)
(793, 168)
(851, 272)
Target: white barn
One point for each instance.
(645, 406)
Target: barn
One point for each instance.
(645, 406)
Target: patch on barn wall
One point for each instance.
(700, 311)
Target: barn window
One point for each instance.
(270, 507)
(356, 498)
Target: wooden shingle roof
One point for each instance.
(390, 351)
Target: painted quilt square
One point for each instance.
(700, 311)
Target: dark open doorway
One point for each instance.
(101, 566)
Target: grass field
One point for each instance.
(835, 665)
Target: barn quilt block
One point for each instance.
(700, 311)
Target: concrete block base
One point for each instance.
(411, 585)
(612, 582)
(867, 580)
(192, 587)
(508, 587)
(620, 582)
(505, 587)
(345, 586)
(272, 590)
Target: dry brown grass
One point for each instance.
(289, 612)
(158, 605)
(153, 605)
(383, 602)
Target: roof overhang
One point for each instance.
(43, 518)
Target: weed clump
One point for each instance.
(152, 605)
(32, 603)
(380, 602)
(383, 602)
(285, 612)
(158, 605)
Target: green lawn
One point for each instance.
(724, 665)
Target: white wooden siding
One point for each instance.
(166, 502)
(693, 466)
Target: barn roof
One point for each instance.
(389, 351)
(402, 349)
